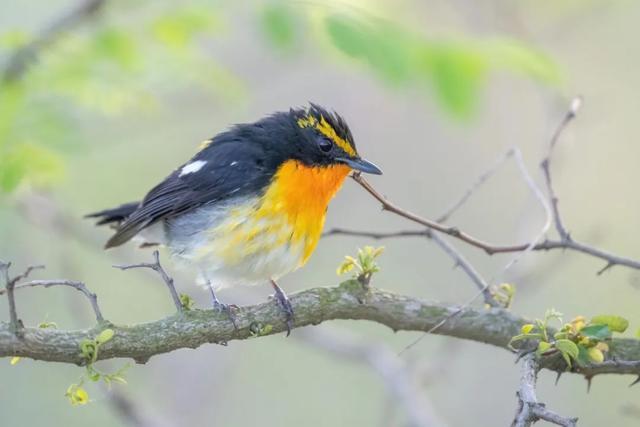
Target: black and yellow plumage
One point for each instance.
(250, 205)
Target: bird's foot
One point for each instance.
(284, 304)
(229, 310)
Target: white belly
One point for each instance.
(229, 247)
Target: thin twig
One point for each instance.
(10, 284)
(81, 287)
(546, 245)
(451, 231)
(539, 195)
(157, 267)
(23, 57)
(529, 409)
(467, 267)
(549, 244)
(337, 231)
(576, 103)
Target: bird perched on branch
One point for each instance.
(250, 206)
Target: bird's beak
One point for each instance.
(361, 165)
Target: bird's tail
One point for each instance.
(114, 216)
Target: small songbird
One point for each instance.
(250, 206)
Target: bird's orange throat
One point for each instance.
(303, 194)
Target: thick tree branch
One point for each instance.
(192, 329)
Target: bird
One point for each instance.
(249, 207)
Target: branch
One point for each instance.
(10, 285)
(81, 287)
(565, 242)
(529, 409)
(546, 245)
(450, 230)
(22, 58)
(546, 167)
(490, 249)
(192, 329)
(467, 267)
(157, 267)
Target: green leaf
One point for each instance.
(595, 355)
(596, 332)
(279, 24)
(543, 347)
(526, 328)
(457, 73)
(105, 336)
(566, 358)
(187, 302)
(92, 374)
(48, 325)
(455, 69)
(118, 379)
(561, 335)
(521, 337)
(384, 47)
(568, 349)
(615, 323)
(583, 356)
(347, 35)
(89, 350)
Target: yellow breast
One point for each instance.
(278, 232)
(302, 194)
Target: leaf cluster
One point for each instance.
(580, 341)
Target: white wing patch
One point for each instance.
(192, 167)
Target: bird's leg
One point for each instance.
(285, 304)
(221, 307)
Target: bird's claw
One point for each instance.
(285, 305)
(229, 310)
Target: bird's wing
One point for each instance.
(222, 170)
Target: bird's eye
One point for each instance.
(325, 145)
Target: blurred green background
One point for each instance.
(434, 92)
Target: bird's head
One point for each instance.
(324, 139)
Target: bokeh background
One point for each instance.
(434, 92)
